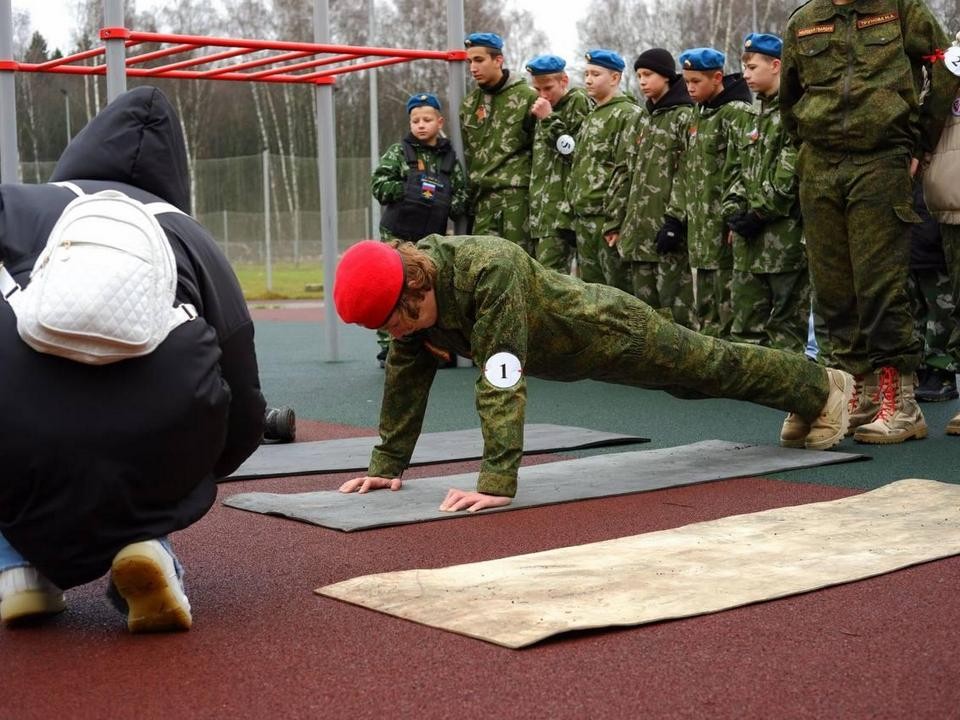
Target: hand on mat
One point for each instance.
(457, 500)
(366, 484)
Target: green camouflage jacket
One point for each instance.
(852, 75)
(706, 172)
(388, 180)
(599, 182)
(497, 132)
(492, 297)
(766, 181)
(549, 209)
(660, 136)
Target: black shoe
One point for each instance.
(937, 386)
(382, 357)
(280, 424)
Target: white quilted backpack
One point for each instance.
(103, 288)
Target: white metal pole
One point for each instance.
(9, 153)
(115, 51)
(66, 113)
(374, 126)
(266, 217)
(327, 164)
(457, 84)
(226, 236)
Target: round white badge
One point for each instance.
(956, 107)
(565, 144)
(503, 370)
(951, 59)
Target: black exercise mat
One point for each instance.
(564, 481)
(322, 456)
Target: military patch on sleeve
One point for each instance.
(816, 30)
(503, 370)
(872, 20)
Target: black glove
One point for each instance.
(747, 224)
(670, 235)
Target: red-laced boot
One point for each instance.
(899, 417)
(865, 402)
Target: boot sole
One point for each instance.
(917, 434)
(32, 605)
(794, 444)
(953, 431)
(153, 605)
(837, 437)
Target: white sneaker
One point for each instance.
(145, 576)
(25, 593)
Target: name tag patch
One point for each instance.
(876, 20)
(816, 30)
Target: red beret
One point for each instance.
(368, 284)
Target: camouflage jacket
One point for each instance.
(852, 76)
(706, 172)
(492, 297)
(497, 132)
(549, 209)
(766, 182)
(660, 136)
(388, 180)
(599, 182)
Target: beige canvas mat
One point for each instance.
(686, 571)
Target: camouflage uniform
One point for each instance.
(599, 186)
(551, 225)
(497, 140)
(850, 93)
(388, 180)
(771, 287)
(951, 249)
(492, 298)
(663, 281)
(697, 200)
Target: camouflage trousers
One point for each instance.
(598, 262)
(857, 216)
(771, 309)
(713, 307)
(951, 251)
(556, 252)
(931, 298)
(666, 286)
(506, 214)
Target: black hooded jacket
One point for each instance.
(734, 88)
(676, 96)
(97, 457)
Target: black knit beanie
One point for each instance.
(658, 60)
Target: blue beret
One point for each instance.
(546, 64)
(490, 40)
(606, 59)
(764, 44)
(702, 59)
(423, 100)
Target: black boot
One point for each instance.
(280, 424)
(937, 386)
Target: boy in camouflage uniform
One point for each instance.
(497, 127)
(723, 104)
(771, 287)
(851, 95)
(482, 297)
(559, 112)
(659, 272)
(418, 182)
(600, 178)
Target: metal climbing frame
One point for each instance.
(316, 63)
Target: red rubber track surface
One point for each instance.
(263, 645)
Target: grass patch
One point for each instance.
(289, 281)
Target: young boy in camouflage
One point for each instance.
(497, 127)
(600, 178)
(851, 95)
(771, 287)
(719, 116)
(559, 112)
(418, 182)
(482, 297)
(659, 272)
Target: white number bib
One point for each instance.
(565, 144)
(502, 370)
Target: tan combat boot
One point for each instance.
(831, 426)
(953, 427)
(865, 402)
(899, 417)
(793, 433)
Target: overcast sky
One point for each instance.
(55, 20)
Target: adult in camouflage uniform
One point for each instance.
(659, 273)
(497, 127)
(481, 297)
(559, 112)
(771, 287)
(851, 95)
(723, 104)
(599, 182)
